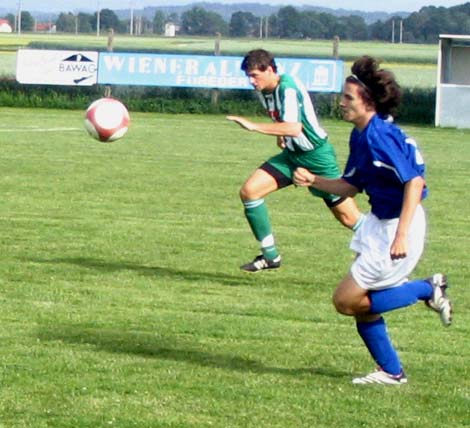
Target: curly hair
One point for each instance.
(378, 86)
(258, 59)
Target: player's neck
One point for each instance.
(361, 122)
(272, 85)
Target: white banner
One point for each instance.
(50, 67)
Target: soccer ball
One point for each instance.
(107, 120)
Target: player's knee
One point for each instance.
(249, 192)
(347, 213)
(351, 305)
(245, 193)
(342, 305)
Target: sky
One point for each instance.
(363, 5)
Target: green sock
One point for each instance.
(256, 213)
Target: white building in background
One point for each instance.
(170, 29)
(453, 82)
(5, 26)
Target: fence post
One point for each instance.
(107, 88)
(215, 92)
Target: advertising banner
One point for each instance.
(56, 67)
(199, 71)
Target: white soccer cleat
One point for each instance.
(382, 378)
(439, 302)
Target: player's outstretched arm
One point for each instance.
(303, 177)
(282, 129)
(244, 123)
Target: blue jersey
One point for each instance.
(382, 159)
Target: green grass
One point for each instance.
(414, 64)
(407, 52)
(122, 303)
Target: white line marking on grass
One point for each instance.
(39, 129)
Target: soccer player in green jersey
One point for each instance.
(303, 143)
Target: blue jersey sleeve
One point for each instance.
(393, 150)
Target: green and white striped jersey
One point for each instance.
(290, 102)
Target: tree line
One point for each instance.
(289, 22)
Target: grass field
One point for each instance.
(122, 303)
(414, 64)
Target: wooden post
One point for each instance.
(107, 89)
(336, 47)
(215, 92)
(110, 40)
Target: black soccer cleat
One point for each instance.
(261, 263)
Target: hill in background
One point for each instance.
(224, 10)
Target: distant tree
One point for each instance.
(311, 25)
(379, 30)
(11, 19)
(461, 22)
(27, 21)
(273, 25)
(86, 22)
(173, 17)
(198, 21)
(330, 25)
(288, 19)
(355, 28)
(159, 20)
(244, 24)
(146, 25)
(108, 20)
(66, 22)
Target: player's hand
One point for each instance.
(244, 123)
(303, 177)
(399, 248)
(281, 143)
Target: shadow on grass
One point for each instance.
(150, 345)
(162, 272)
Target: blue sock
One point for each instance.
(398, 297)
(375, 336)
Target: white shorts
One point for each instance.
(373, 268)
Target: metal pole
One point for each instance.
(98, 19)
(19, 18)
(131, 24)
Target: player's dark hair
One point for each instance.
(258, 59)
(379, 87)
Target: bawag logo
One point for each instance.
(79, 64)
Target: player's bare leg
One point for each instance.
(350, 299)
(347, 213)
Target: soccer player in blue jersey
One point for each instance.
(303, 143)
(386, 164)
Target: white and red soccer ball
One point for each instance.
(107, 120)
